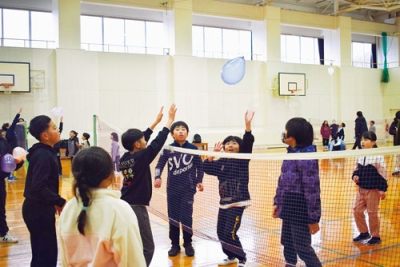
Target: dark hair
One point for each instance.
(5, 125)
(359, 113)
(373, 122)
(76, 134)
(179, 123)
(301, 130)
(38, 125)
(130, 137)
(90, 167)
(369, 135)
(236, 139)
(343, 124)
(87, 136)
(398, 115)
(21, 120)
(115, 136)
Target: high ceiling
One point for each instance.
(371, 10)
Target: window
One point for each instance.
(299, 49)
(221, 43)
(363, 55)
(23, 28)
(121, 35)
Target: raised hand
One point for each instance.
(160, 115)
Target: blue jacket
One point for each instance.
(185, 171)
(298, 192)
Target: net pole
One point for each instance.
(95, 130)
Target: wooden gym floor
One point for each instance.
(333, 243)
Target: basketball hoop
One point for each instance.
(7, 88)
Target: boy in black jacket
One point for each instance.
(135, 167)
(41, 192)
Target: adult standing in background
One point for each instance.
(11, 137)
(334, 129)
(360, 128)
(394, 130)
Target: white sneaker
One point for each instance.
(227, 261)
(8, 239)
(243, 264)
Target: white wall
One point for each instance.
(127, 90)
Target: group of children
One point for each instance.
(98, 226)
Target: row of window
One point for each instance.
(22, 28)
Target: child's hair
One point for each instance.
(373, 122)
(90, 167)
(343, 124)
(75, 133)
(130, 137)
(301, 130)
(326, 123)
(359, 113)
(21, 120)
(115, 136)
(179, 123)
(397, 115)
(230, 138)
(5, 126)
(370, 135)
(38, 125)
(87, 136)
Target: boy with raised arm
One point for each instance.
(135, 168)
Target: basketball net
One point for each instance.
(7, 88)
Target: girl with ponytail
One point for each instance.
(96, 227)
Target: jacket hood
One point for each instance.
(37, 146)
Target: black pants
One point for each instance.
(229, 221)
(357, 143)
(3, 195)
(41, 222)
(296, 240)
(145, 232)
(180, 210)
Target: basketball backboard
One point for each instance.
(291, 84)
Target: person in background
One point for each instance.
(360, 128)
(326, 133)
(57, 148)
(73, 144)
(115, 150)
(334, 129)
(12, 138)
(5, 148)
(96, 227)
(394, 130)
(85, 140)
(372, 126)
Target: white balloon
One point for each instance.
(233, 71)
(19, 153)
(57, 111)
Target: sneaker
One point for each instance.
(361, 237)
(189, 250)
(242, 264)
(374, 241)
(8, 239)
(174, 251)
(396, 173)
(12, 179)
(228, 261)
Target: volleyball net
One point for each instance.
(260, 233)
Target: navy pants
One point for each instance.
(180, 210)
(296, 240)
(229, 221)
(41, 222)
